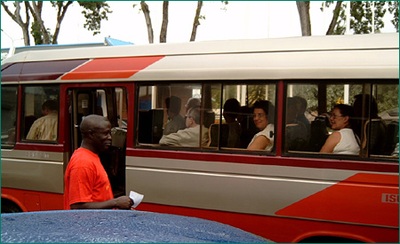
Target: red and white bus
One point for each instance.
(290, 194)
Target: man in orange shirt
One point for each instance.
(86, 182)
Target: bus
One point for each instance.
(291, 193)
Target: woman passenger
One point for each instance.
(343, 140)
(263, 117)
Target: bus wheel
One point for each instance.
(9, 207)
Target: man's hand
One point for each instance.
(123, 202)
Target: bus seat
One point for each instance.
(318, 133)
(209, 118)
(150, 125)
(392, 139)
(213, 135)
(118, 137)
(296, 137)
(375, 132)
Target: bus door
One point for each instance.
(109, 102)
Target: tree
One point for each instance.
(164, 27)
(304, 13)
(365, 16)
(196, 21)
(94, 12)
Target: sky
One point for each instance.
(237, 20)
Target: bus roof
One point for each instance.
(316, 57)
(309, 43)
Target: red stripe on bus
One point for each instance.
(357, 199)
(108, 68)
(281, 229)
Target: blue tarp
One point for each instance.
(123, 226)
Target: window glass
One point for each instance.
(40, 113)
(8, 115)
(173, 115)
(221, 116)
(310, 117)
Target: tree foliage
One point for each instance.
(94, 12)
(365, 16)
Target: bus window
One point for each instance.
(40, 113)
(8, 115)
(232, 103)
(308, 107)
(171, 115)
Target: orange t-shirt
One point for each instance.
(85, 179)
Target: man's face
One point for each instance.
(102, 136)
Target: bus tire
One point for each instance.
(329, 239)
(9, 207)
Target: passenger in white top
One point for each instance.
(263, 117)
(190, 136)
(343, 140)
(45, 128)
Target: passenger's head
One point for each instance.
(301, 104)
(173, 105)
(291, 110)
(96, 133)
(192, 117)
(370, 106)
(231, 110)
(341, 116)
(49, 106)
(192, 102)
(263, 113)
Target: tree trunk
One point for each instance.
(196, 21)
(146, 12)
(36, 10)
(304, 13)
(17, 18)
(62, 9)
(164, 25)
(335, 18)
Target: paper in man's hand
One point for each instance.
(136, 198)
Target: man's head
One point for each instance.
(193, 117)
(96, 133)
(173, 105)
(49, 106)
(192, 103)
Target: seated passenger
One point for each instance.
(296, 135)
(190, 136)
(192, 103)
(343, 140)
(175, 120)
(230, 113)
(301, 105)
(263, 117)
(45, 128)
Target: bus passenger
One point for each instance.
(190, 136)
(86, 182)
(263, 117)
(230, 113)
(296, 135)
(192, 103)
(45, 128)
(301, 105)
(175, 120)
(343, 140)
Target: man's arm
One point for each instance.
(123, 202)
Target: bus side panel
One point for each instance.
(283, 229)
(33, 170)
(267, 191)
(33, 200)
